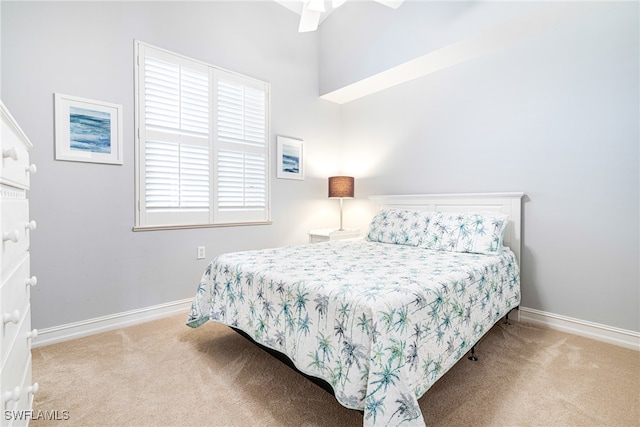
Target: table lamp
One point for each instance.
(341, 187)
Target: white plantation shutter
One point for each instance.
(241, 179)
(202, 143)
(176, 97)
(242, 149)
(177, 176)
(241, 113)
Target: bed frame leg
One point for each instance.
(506, 320)
(473, 357)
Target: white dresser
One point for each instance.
(16, 388)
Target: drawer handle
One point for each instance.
(11, 153)
(13, 317)
(14, 236)
(32, 335)
(32, 281)
(31, 169)
(8, 396)
(31, 225)
(33, 389)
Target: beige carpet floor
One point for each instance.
(163, 373)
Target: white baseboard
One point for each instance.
(97, 325)
(596, 331)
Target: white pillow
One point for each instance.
(466, 232)
(402, 227)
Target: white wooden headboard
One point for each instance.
(507, 203)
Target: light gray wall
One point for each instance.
(363, 38)
(555, 116)
(89, 261)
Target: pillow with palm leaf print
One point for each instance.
(402, 227)
(466, 232)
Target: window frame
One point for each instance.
(214, 216)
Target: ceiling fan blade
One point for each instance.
(394, 4)
(309, 19)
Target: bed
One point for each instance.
(382, 317)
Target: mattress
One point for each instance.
(379, 322)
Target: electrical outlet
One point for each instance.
(201, 252)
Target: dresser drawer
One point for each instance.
(16, 412)
(14, 296)
(14, 223)
(15, 169)
(20, 416)
(16, 355)
(15, 336)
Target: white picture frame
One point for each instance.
(87, 130)
(290, 154)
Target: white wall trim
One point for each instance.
(97, 325)
(596, 331)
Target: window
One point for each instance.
(202, 143)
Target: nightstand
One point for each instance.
(325, 235)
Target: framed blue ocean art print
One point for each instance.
(88, 130)
(290, 158)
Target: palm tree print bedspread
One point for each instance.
(380, 322)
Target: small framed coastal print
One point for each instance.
(87, 130)
(290, 158)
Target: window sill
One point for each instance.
(185, 227)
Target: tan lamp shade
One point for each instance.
(341, 187)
